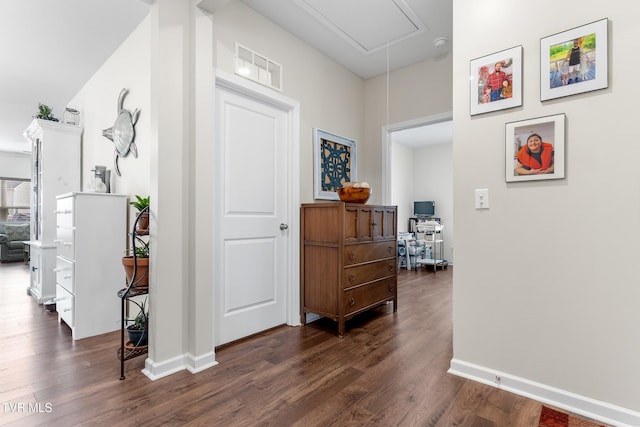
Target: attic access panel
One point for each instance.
(367, 24)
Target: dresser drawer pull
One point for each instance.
(390, 288)
(390, 249)
(352, 302)
(391, 267)
(352, 256)
(352, 277)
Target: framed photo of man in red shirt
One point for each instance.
(534, 149)
(496, 81)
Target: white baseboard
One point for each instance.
(200, 363)
(587, 407)
(156, 370)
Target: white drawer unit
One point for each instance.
(65, 242)
(90, 240)
(64, 305)
(64, 213)
(64, 273)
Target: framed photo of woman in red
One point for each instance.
(534, 149)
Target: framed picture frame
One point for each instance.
(574, 61)
(496, 81)
(334, 163)
(534, 149)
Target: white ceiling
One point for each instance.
(51, 48)
(370, 36)
(355, 32)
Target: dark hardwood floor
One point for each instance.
(390, 369)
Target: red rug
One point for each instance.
(550, 417)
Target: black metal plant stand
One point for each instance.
(134, 350)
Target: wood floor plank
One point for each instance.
(389, 369)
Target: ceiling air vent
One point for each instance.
(257, 67)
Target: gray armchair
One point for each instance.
(12, 238)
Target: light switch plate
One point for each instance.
(482, 198)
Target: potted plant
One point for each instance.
(140, 263)
(45, 113)
(139, 327)
(140, 204)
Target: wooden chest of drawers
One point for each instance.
(348, 259)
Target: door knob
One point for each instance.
(283, 226)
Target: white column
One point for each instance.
(179, 338)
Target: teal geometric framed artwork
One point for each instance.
(334, 163)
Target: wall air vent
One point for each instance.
(257, 67)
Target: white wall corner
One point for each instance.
(197, 364)
(585, 406)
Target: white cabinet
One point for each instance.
(42, 280)
(91, 240)
(55, 170)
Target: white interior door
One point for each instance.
(250, 216)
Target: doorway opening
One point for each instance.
(417, 159)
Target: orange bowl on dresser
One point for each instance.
(354, 194)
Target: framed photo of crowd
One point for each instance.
(534, 149)
(574, 61)
(496, 81)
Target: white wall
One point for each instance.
(402, 183)
(15, 165)
(538, 294)
(97, 101)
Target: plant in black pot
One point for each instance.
(139, 327)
